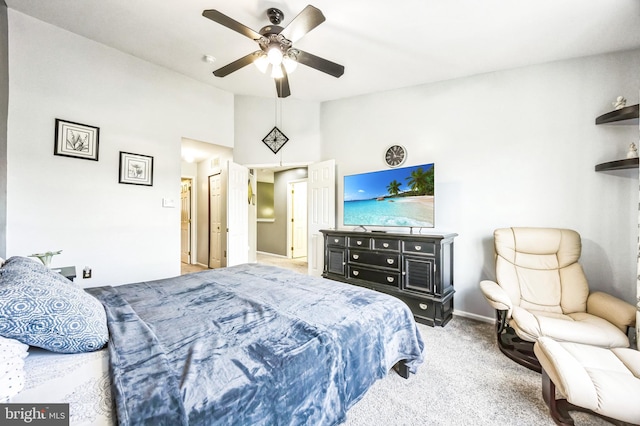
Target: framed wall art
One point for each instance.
(136, 169)
(76, 140)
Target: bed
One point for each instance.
(250, 344)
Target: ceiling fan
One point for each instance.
(276, 46)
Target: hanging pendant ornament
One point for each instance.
(275, 140)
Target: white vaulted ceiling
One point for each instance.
(383, 45)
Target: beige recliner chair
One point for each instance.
(541, 290)
(599, 381)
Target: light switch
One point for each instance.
(168, 203)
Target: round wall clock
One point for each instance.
(395, 155)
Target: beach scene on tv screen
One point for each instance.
(395, 197)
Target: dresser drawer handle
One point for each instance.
(335, 240)
(355, 257)
(390, 279)
(355, 273)
(390, 261)
(423, 306)
(359, 242)
(385, 245)
(418, 248)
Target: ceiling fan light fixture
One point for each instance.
(276, 71)
(262, 63)
(289, 64)
(275, 55)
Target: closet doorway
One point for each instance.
(297, 218)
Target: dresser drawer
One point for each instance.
(336, 240)
(386, 244)
(381, 260)
(380, 277)
(421, 308)
(425, 247)
(364, 242)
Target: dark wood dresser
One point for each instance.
(416, 268)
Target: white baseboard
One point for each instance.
(201, 265)
(474, 316)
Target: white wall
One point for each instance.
(298, 120)
(4, 100)
(55, 202)
(511, 148)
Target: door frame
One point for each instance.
(290, 216)
(219, 173)
(193, 231)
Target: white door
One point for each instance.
(215, 222)
(237, 214)
(185, 221)
(321, 189)
(298, 222)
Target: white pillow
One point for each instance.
(12, 374)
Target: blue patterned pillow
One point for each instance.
(40, 307)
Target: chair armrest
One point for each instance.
(616, 311)
(496, 296)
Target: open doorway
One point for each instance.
(200, 161)
(282, 214)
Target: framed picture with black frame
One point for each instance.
(76, 140)
(136, 169)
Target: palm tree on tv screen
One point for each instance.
(394, 187)
(421, 182)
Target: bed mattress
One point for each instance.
(81, 380)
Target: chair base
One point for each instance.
(559, 408)
(516, 349)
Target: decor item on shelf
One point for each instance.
(395, 155)
(76, 140)
(275, 140)
(633, 151)
(620, 102)
(45, 258)
(136, 169)
(276, 46)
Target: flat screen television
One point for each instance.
(389, 198)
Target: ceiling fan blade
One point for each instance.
(282, 84)
(320, 64)
(305, 21)
(235, 65)
(222, 19)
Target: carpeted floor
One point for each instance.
(297, 264)
(465, 380)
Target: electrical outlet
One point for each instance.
(86, 272)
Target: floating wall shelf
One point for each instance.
(627, 163)
(626, 116)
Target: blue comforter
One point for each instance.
(250, 345)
